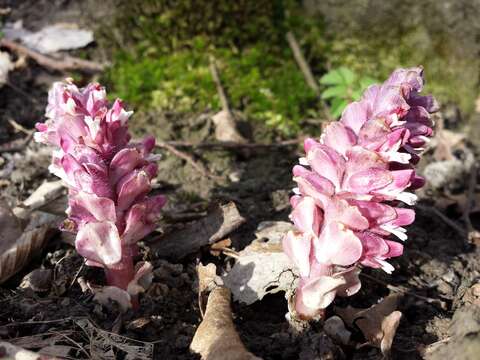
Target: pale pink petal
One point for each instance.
(307, 217)
(339, 137)
(123, 163)
(131, 188)
(297, 248)
(355, 115)
(99, 242)
(337, 245)
(327, 162)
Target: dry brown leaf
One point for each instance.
(17, 247)
(378, 323)
(207, 281)
(216, 337)
(214, 227)
(216, 249)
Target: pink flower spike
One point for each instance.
(108, 178)
(350, 183)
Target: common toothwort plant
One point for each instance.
(108, 178)
(351, 187)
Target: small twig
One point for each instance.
(64, 64)
(17, 148)
(228, 252)
(23, 93)
(218, 83)
(80, 347)
(400, 290)
(302, 63)
(234, 145)
(472, 183)
(19, 127)
(306, 71)
(197, 166)
(77, 274)
(461, 231)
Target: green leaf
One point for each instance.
(356, 94)
(333, 77)
(335, 91)
(337, 107)
(347, 75)
(365, 82)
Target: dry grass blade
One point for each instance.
(107, 345)
(17, 246)
(216, 337)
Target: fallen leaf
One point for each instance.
(216, 337)
(262, 268)
(214, 227)
(43, 195)
(61, 351)
(12, 352)
(226, 128)
(273, 230)
(335, 328)
(51, 38)
(6, 66)
(378, 323)
(39, 280)
(105, 294)
(207, 281)
(17, 245)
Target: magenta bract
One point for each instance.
(351, 184)
(108, 177)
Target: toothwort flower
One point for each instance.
(351, 185)
(108, 178)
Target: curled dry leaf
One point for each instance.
(207, 281)
(216, 337)
(378, 323)
(17, 245)
(43, 195)
(262, 268)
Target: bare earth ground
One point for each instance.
(435, 274)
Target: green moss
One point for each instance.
(266, 87)
(161, 58)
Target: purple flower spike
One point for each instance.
(350, 186)
(108, 178)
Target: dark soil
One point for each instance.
(435, 273)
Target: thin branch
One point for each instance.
(182, 155)
(302, 63)
(461, 231)
(472, 184)
(233, 145)
(306, 71)
(403, 291)
(218, 83)
(9, 148)
(64, 64)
